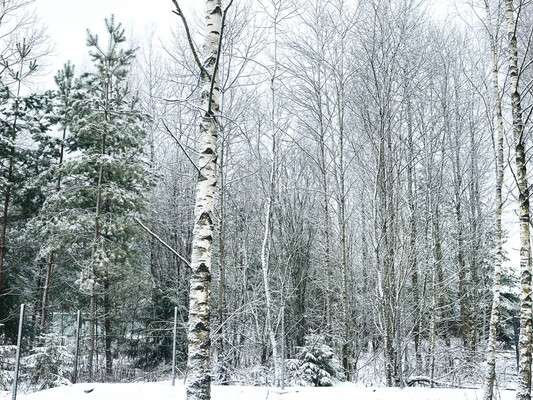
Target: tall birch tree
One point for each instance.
(490, 374)
(199, 359)
(524, 379)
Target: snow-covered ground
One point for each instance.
(164, 391)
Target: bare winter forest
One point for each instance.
(277, 192)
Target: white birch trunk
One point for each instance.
(490, 375)
(523, 391)
(199, 345)
(347, 346)
(265, 248)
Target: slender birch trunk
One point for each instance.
(463, 282)
(199, 345)
(476, 218)
(347, 346)
(412, 256)
(265, 252)
(325, 206)
(326, 230)
(523, 391)
(433, 199)
(221, 248)
(436, 283)
(265, 248)
(490, 376)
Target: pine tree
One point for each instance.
(103, 181)
(63, 116)
(25, 149)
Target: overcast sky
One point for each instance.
(68, 20)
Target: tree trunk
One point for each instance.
(46, 289)
(490, 376)
(340, 110)
(326, 229)
(107, 327)
(524, 379)
(221, 250)
(199, 360)
(92, 327)
(9, 187)
(412, 254)
(347, 345)
(51, 256)
(476, 219)
(437, 281)
(7, 194)
(265, 248)
(463, 283)
(96, 245)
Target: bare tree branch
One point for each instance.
(180, 145)
(217, 61)
(179, 13)
(162, 242)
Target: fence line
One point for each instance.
(62, 354)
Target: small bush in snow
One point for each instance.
(7, 364)
(315, 365)
(6, 379)
(48, 363)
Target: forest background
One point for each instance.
(356, 207)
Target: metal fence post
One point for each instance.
(174, 346)
(17, 361)
(77, 352)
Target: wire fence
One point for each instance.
(157, 351)
(68, 353)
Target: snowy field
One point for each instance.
(164, 391)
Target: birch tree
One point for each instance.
(342, 20)
(388, 65)
(199, 360)
(524, 380)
